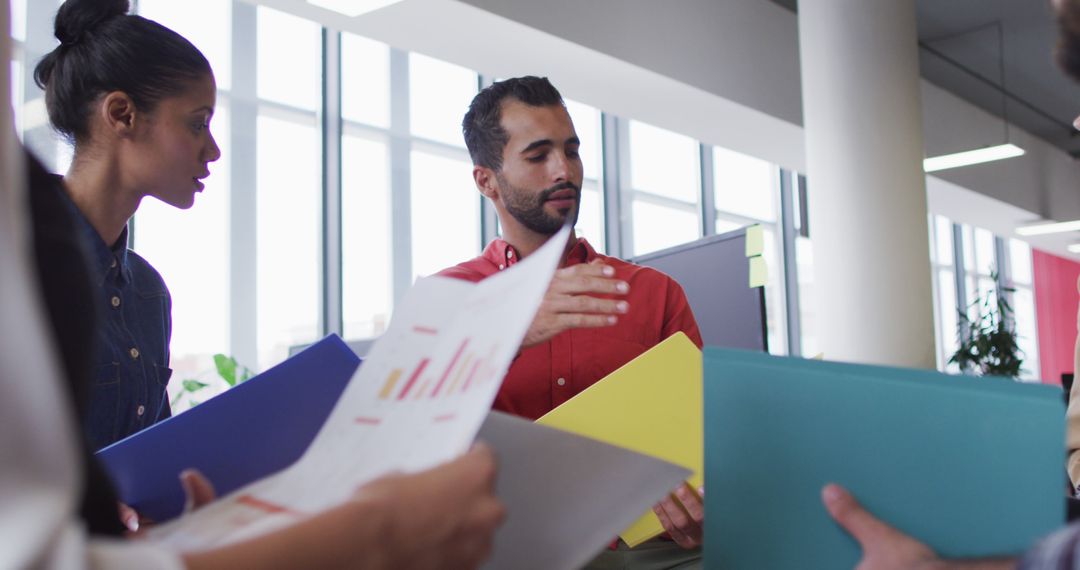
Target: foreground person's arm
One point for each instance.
(885, 548)
(441, 518)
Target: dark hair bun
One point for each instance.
(104, 49)
(77, 17)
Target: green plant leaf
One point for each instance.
(193, 385)
(226, 368)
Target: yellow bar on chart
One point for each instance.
(461, 372)
(391, 381)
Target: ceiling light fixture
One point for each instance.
(989, 153)
(1048, 228)
(968, 157)
(352, 8)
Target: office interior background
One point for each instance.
(344, 176)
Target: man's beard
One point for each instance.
(529, 209)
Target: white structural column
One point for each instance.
(867, 193)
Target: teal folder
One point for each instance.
(970, 466)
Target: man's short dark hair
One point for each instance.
(1068, 47)
(484, 136)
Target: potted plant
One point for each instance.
(987, 344)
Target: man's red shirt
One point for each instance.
(545, 375)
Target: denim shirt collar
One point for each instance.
(102, 257)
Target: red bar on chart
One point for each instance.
(368, 421)
(266, 506)
(449, 367)
(421, 329)
(445, 417)
(412, 379)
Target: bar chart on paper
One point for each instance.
(418, 400)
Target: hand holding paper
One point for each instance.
(465, 486)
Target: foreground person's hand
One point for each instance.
(441, 518)
(884, 547)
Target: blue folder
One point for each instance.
(970, 466)
(248, 432)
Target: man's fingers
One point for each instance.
(693, 505)
(571, 281)
(580, 321)
(675, 521)
(587, 304)
(848, 513)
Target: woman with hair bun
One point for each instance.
(135, 99)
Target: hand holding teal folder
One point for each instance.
(973, 467)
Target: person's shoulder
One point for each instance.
(475, 269)
(145, 276)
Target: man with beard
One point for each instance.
(599, 312)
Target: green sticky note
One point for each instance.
(755, 240)
(759, 273)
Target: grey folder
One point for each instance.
(566, 496)
(970, 466)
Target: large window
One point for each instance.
(590, 223)
(664, 188)
(445, 212)
(288, 191)
(248, 265)
(969, 267)
(1021, 278)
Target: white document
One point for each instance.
(417, 401)
(566, 496)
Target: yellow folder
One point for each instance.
(652, 405)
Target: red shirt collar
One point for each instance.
(503, 255)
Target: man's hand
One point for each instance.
(683, 516)
(441, 518)
(884, 547)
(570, 302)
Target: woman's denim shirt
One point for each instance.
(131, 368)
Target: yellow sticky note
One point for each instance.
(755, 240)
(652, 405)
(759, 273)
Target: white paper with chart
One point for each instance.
(417, 401)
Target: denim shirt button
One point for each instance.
(115, 301)
(134, 352)
(140, 410)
